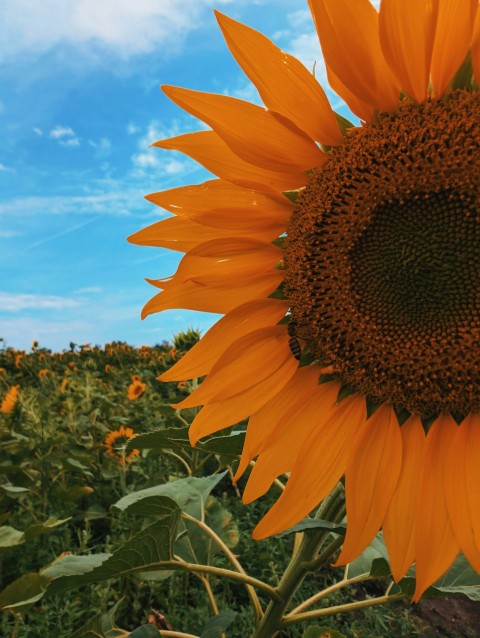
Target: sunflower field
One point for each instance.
(112, 525)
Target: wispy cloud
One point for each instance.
(14, 302)
(7, 234)
(65, 136)
(6, 169)
(87, 290)
(122, 27)
(62, 233)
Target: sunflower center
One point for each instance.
(383, 258)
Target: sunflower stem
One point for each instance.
(303, 561)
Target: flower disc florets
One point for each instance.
(383, 258)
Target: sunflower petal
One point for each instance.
(284, 84)
(247, 362)
(452, 40)
(435, 543)
(248, 317)
(461, 485)
(372, 472)
(476, 47)
(407, 31)
(399, 522)
(348, 33)
(216, 416)
(270, 419)
(208, 148)
(320, 463)
(262, 139)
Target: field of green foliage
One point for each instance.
(85, 516)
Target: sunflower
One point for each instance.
(9, 400)
(136, 388)
(346, 262)
(116, 443)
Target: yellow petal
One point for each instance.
(348, 33)
(208, 148)
(462, 488)
(248, 317)
(270, 419)
(407, 30)
(452, 40)
(399, 522)
(280, 448)
(320, 463)
(247, 362)
(182, 234)
(435, 543)
(253, 133)
(372, 472)
(216, 416)
(284, 84)
(476, 47)
(219, 204)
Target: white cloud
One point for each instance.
(133, 128)
(123, 27)
(6, 169)
(7, 234)
(37, 131)
(14, 302)
(102, 148)
(65, 136)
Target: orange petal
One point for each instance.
(399, 522)
(373, 468)
(407, 31)
(284, 84)
(271, 418)
(208, 148)
(248, 317)
(435, 543)
(182, 234)
(348, 33)
(452, 40)
(253, 133)
(220, 297)
(319, 465)
(476, 47)
(222, 205)
(216, 416)
(462, 488)
(280, 449)
(247, 362)
(361, 109)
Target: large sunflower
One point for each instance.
(346, 261)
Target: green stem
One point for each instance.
(327, 592)
(16, 626)
(341, 609)
(165, 633)
(301, 564)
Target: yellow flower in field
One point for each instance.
(136, 388)
(43, 373)
(3, 371)
(115, 443)
(9, 400)
(18, 359)
(352, 251)
(63, 385)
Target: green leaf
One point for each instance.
(167, 438)
(143, 552)
(38, 529)
(231, 445)
(71, 565)
(217, 625)
(23, 592)
(151, 506)
(10, 537)
(364, 564)
(13, 491)
(322, 631)
(102, 624)
(145, 631)
(315, 523)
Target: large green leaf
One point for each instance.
(167, 438)
(314, 523)
(372, 561)
(10, 537)
(101, 625)
(23, 592)
(217, 625)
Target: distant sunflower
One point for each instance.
(9, 400)
(346, 261)
(116, 443)
(136, 388)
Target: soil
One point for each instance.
(450, 617)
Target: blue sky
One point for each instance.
(79, 105)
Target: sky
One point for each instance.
(80, 103)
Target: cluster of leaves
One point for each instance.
(145, 543)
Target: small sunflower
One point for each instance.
(346, 260)
(116, 443)
(43, 373)
(9, 400)
(136, 388)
